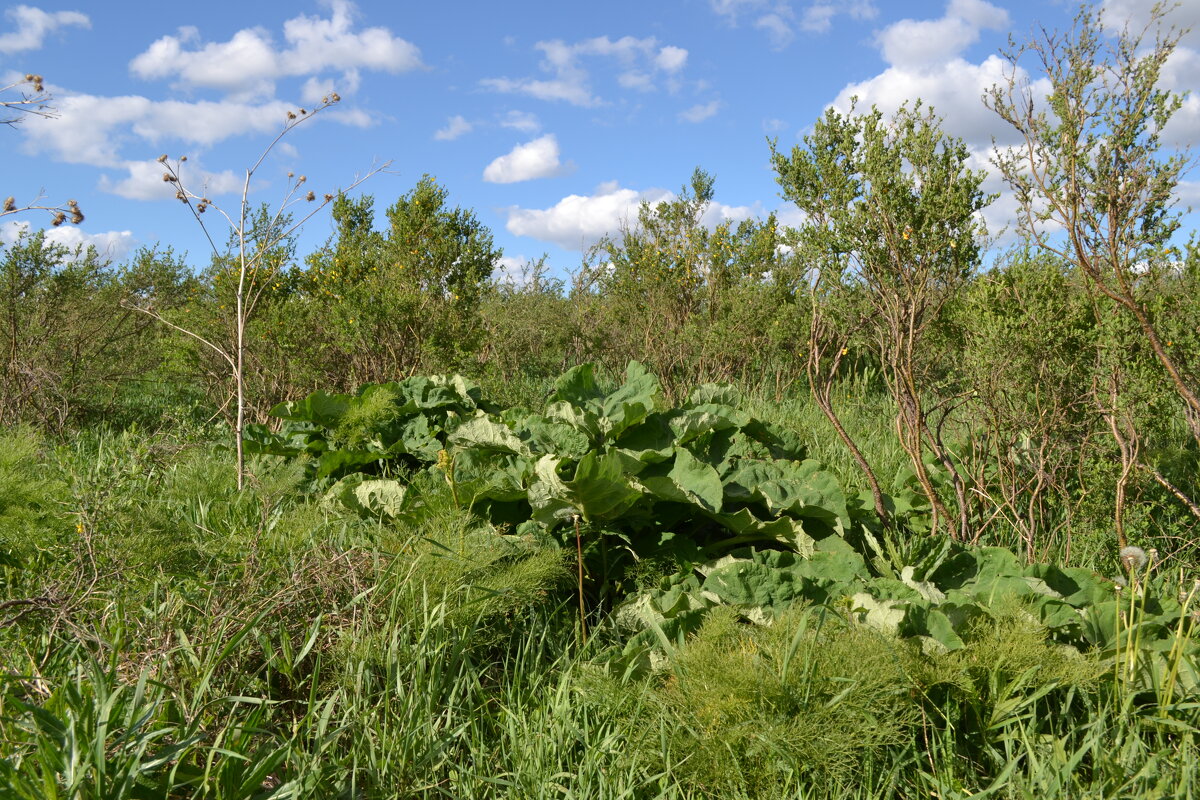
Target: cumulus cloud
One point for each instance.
(33, 24)
(643, 65)
(250, 62)
(92, 129)
(526, 162)
(912, 44)
(701, 112)
(456, 126)
(818, 17)
(143, 181)
(925, 62)
(577, 222)
(111, 245)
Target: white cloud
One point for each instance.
(912, 44)
(642, 64)
(144, 181)
(111, 245)
(701, 112)
(456, 126)
(777, 17)
(576, 222)
(33, 24)
(671, 58)
(818, 17)
(92, 129)
(521, 121)
(525, 162)
(249, 63)
(954, 89)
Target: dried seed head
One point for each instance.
(10, 204)
(335, 97)
(162, 159)
(76, 216)
(59, 219)
(180, 196)
(302, 111)
(291, 174)
(328, 197)
(302, 179)
(72, 203)
(310, 197)
(29, 77)
(166, 177)
(325, 100)
(291, 115)
(1132, 558)
(183, 158)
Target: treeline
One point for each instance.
(1037, 394)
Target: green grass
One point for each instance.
(163, 635)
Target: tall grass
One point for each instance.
(163, 635)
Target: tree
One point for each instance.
(1096, 183)
(892, 233)
(255, 241)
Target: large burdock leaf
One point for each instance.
(324, 409)
(373, 498)
(720, 393)
(688, 481)
(749, 530)
(798, 488)
(544, 435)
(691, 423)
(630, 403)
(577, 385)
(599, 489)
(485, 433)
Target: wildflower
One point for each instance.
(79, 527)
(907, 233)
(845, 350)
(1132, 558)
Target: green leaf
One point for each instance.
(689, 481)
(485, 433)
(719, 393)
(323, 409)
(576, 386)
(368, 497)
(600, 489)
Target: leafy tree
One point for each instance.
(677, 291)
(892, 234)
(395, 301)
(1096, 186)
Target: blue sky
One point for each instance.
(551, 120)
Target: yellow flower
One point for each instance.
(907, 233)
(845, 350)
(79, 527)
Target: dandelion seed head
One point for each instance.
(1132, 558)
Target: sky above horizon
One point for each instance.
(551, 121)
